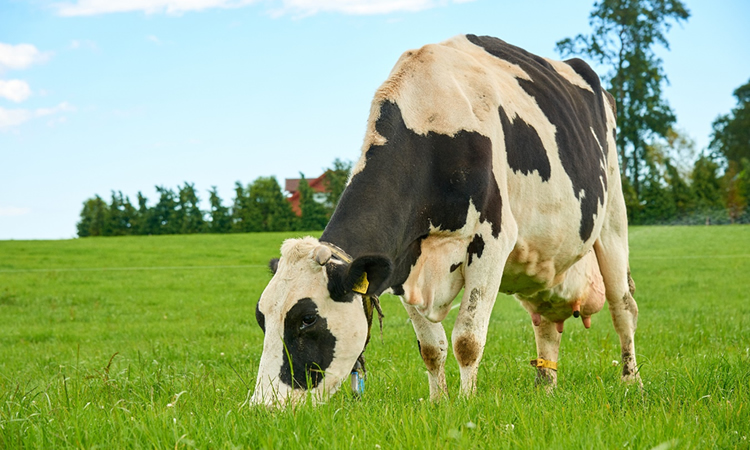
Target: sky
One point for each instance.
(125, 95)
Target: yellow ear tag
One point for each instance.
(361, 285)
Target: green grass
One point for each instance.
(152, 342)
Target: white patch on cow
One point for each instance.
(569, 74)
(431, 286)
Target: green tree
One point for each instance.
(274, 209)
(221, 219)
(164, 212)
(737, 188)
(335, 183)
(624, 35)
(706, 185)
(120, 216)
(245, 216)
(731, 132)
(145, 222)
(680, 191)
(658, 203)
(92, 217)
(188, 214)
(314, 215)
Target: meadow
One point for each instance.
(151, 342)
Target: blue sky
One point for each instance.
(101, 95)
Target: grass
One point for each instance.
(152, 342)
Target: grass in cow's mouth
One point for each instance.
(152, 342)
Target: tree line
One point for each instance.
(259, 206)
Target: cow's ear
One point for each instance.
(368, 275)
(273, 265)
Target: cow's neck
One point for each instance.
(383, 209)
(370, 221)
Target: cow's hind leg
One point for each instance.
(547, 351)
(433, 346)
(612, 252)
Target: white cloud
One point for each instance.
(20, 56)
(94, 7)
(295, 7)
(77, 44)
(153, 39)
(356, 7)
(62, 107)
(13, 211)
(15, 90)
(10, 118)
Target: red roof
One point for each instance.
(291, 185)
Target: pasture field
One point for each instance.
(152, 342)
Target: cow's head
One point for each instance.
(313, 315)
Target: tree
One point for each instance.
(245, 215)
(274, 209)
(314, 215)
(145, 222)
(92, 217)
(220, 218)
(164, 212)
(118, 221)
(731, 132)
(189, 217)
(656, 198)
(737, 188)
(335, 183)
(681, 193)
(706, 185)
(624, 34)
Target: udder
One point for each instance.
(580, 294)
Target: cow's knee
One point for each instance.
(434, 360)
(467, 349)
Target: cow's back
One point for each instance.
(551, 130)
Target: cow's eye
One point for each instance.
(309, 320)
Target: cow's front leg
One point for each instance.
(547, 351)
(433, 346)
(470, 333)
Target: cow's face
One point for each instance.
(314, 323)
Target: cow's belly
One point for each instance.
(535, 266)
(548, 217)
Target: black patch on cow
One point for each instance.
(336, 286)
(309, 346)
(260, 318)
(586, 72)
(574, 112)
(455, 267)
(476, 247)
(273, 265)
(343, 277)
(524, 147)
(409, 183)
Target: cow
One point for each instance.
(484, 168)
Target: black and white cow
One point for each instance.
(484, 167)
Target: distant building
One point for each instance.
(291, 185)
